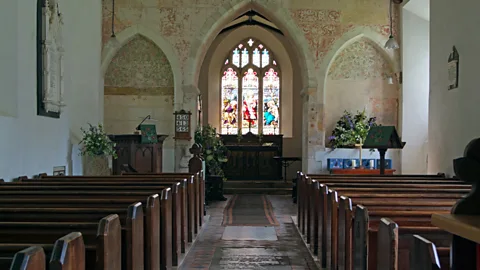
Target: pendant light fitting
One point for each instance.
(391, 42)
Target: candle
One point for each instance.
(371, 164)
(354, 163)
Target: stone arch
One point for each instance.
(376, 39)
(229, 11)
(216, 57)
(128, 34)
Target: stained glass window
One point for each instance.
(229, 102)
(256, 57)
(271, 102)
(250, 102)
(250, 80)
(245, 57)
(236, 57)
(265, 58)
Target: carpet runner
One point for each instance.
(249, 210)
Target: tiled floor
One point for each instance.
(288, 252)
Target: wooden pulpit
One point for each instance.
(383, 138)
(144, 157)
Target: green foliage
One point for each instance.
(214, 152)
(96, 142)
(351, 129)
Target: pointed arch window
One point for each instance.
(250, 90)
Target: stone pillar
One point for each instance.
(189, 103)
(313, 130)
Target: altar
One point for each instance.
(251, 157)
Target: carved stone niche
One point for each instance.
(50, 86)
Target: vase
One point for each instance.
(96, 166)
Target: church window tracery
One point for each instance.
(250, 73)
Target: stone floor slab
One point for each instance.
(252, 233)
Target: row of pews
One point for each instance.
(377, 221)
(130, 222)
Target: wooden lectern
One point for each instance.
(383, 138)
(144, 157)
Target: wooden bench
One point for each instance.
(92, 246)
(132, 227)
(158, 223)
(193, 195)
(363, 190)
(334, 220)
(301, 185)
(48, 256)
(197, 178)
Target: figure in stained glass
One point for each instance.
(271, 102)
(230, 102)
(250, 101)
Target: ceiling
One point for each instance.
(251, 18)
(421, 8)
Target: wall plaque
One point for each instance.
(453, 60)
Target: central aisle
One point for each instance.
(250, 247)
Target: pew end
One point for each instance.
(360, 238)
(68, 253)
(133, 237)
(32, 258)
(387, 245)
(424, 255)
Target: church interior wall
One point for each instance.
(415, 90)
(452, 114)
(138, 82)
(31, 143)
(320, 24)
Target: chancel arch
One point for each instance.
(216, 66)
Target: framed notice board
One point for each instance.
(183, 121)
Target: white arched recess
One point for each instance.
(128, 34)
(220, 50)
(123, 38)
(347, 39)
(392, 58)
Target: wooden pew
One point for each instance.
(111, 199)
(31, 258)
(194, 206)
(198, 180)
(132, 227)
(344, 223)
(424, 255)
(180, 190)
(328, 228)
(48, 256)
(94, 246)
(302, 186)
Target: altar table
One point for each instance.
(360, 171)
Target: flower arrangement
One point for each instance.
(96, 142)
(214, 152)
(351, 129)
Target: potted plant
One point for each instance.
(214, 154)
(351, 129)
(96, 149)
